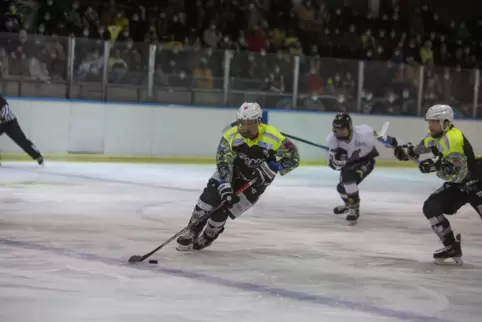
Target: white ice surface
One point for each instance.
(66, 232)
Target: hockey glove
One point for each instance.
(405, 155)
(267, 172)
(337, 159)
(428, 166)
(227, 194)
(400, 154)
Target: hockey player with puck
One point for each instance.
(454, 162)
(352, 151)
(249, 150)
(10, 126)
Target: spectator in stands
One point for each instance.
(313, 80)
(426, 53)
(90, 70)
(203, 76)
(273, 30)
(73, 18)
(91, 18)
(12, 21)
(137, 27)
(275, 82)
(54, 58)
(211, 36)
(348, 85)
(368, 41)
(254, 39)
(367, 102)
(313, 102)
(117, 67)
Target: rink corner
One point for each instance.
(101, 158)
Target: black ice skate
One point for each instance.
(205, 240)
(453, 252)
(352, 216)
(185, 242)
(339, 210)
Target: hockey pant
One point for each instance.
(351, 176)
(14, 132)
(210, 199)
(447, 200)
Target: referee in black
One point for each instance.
(9, 125)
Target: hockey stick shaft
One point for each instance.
(306, 141)
(379, 135)
(206, 216)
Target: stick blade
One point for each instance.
(383, 131)
(135, 259)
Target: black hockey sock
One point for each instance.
(441, 226)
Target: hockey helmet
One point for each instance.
(248, 118)
(342, 126)
(443, 115)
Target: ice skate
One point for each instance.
(185, 241)
(210, 234)
(450, 255)
(353, 215)
(339, 210)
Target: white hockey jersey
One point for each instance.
(363, 142)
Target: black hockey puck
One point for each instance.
(153, 261)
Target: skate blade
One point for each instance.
(183, 248)
(352, 222)
(452, 261)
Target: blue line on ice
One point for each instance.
(245, 286)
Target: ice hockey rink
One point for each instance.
(67, 231)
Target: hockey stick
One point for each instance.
(141, 258)
(305, 141)
(379, 136)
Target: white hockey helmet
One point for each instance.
(442, 113)
(248, 118)
(249, 111)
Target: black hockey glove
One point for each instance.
(400, 154)
(266, 173)
(405, 153)
(428, 166)
(227, 194)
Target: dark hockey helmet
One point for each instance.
(342, 126)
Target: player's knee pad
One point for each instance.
(348, 175)
(431, 208)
